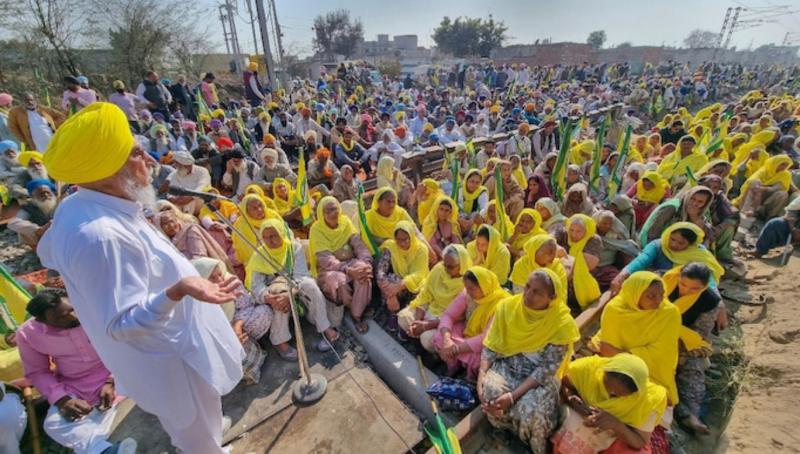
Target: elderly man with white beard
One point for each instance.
(10, 168)
(272, 169)
(240, 172)
(154, 322)
(188, 175)
(35, 217)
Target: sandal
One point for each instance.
(290, 354)
(361, 326)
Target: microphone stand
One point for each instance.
(311, 387)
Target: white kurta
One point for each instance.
(116, 268)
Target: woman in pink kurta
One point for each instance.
(462, 327)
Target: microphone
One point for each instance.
(205, 196)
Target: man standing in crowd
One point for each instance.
(155, 94)
(32, 124)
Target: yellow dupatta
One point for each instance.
(283, 255)
(768, 175)
(323, 238)
(283, 206)
(430, 223)
(527, 264)
(674, 164)
(383, 226)
(257, 189)
(469, 198)
(386, 175)
(432, 192)
(706, 170)
(753, 164)
(587, 374)
(411, 264)
(226, 208)
(652, 335)
(517, 329)
(655, 195)
(690, 338)
(439, 289)
(249, 227)
(587, 290)
(485, 307)
(580, 153)
(497, 258)
(522, 238)
(694, 253)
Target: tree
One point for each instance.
(596, 38)
(58, 23)
(701, 38)
(469, 37)
(336, 33)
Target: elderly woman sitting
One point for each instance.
(489, 251)
(441, 227)
(618, 247)
(766, 192)
(282, 257)
(402, 268)
(462, 327)
(585, 248)
(340, 260)
(525, 352)
(421, 318)
(189, 238)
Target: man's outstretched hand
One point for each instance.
(204, 290)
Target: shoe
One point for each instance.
(226, 424)
(323, 346)
(126, 446)
(290, 354)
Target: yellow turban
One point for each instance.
(26, 156)
(90, 146)
(219, 113)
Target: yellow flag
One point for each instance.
(301, 193)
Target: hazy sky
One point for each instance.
(637, 21)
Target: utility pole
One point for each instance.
(785, 40)
(733, 26)
(722, 32)
(279, 40)
(226, 11)
(262, 26)
(252, 25)
(224, 20)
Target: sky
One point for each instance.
(642, 22)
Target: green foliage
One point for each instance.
(469, 37)
(336, 33)
(701, 39)
(390, 68)
(596, 38)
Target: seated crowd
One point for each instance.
(486, 262)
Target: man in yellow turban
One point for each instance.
(141, 301)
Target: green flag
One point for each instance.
(366, 235)
(501, 209)
(594, 171)
(558, 179)
(615, 179)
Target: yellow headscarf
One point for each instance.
(753, 164)
(410, 264)
(587, 290)
(518, 329)
(26, 157)
(380, 226)
(283, 206)
(690, 338)
(580, 153)
(654, 195)
(257, 189)
(433, 193)
(243, 224)
(386, 176)
(471, 197)
(226, 208)
(322, 238)
(652, 335)
(492, 294)
(439, 289)
(519, 176)
(430, 223)
(283, 255)
(587, 375)
(694, 253)
(527, 263)
(90, 146)
(537, 229)
(769, 175)
(706, 170)
(674, 164)
(497, 257)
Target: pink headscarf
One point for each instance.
(5, 99)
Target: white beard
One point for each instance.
(183, 172)
(47, 207)
(38, 174)
(144, 194)
(9, 162)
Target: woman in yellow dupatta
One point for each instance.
(721, 168)
(255, 188)
(489, 251)
(585, 289)
(766, 192)
(421, 318)
(492, 217)
(459, 339)
(540, 252)
(579, 153)
(700, 308)
(693, 252)
(253, 212)
(323, 237)
(383, 216)
(517, 172)
(640, 149)
(402, 267)
(653, 192)
(529, 224)
(598, 383)
(225, 208)
(684, 157)
(732, 143)
(640, 320)
(441, 227)
(429, 190)
(283, 196)
(526, 351)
